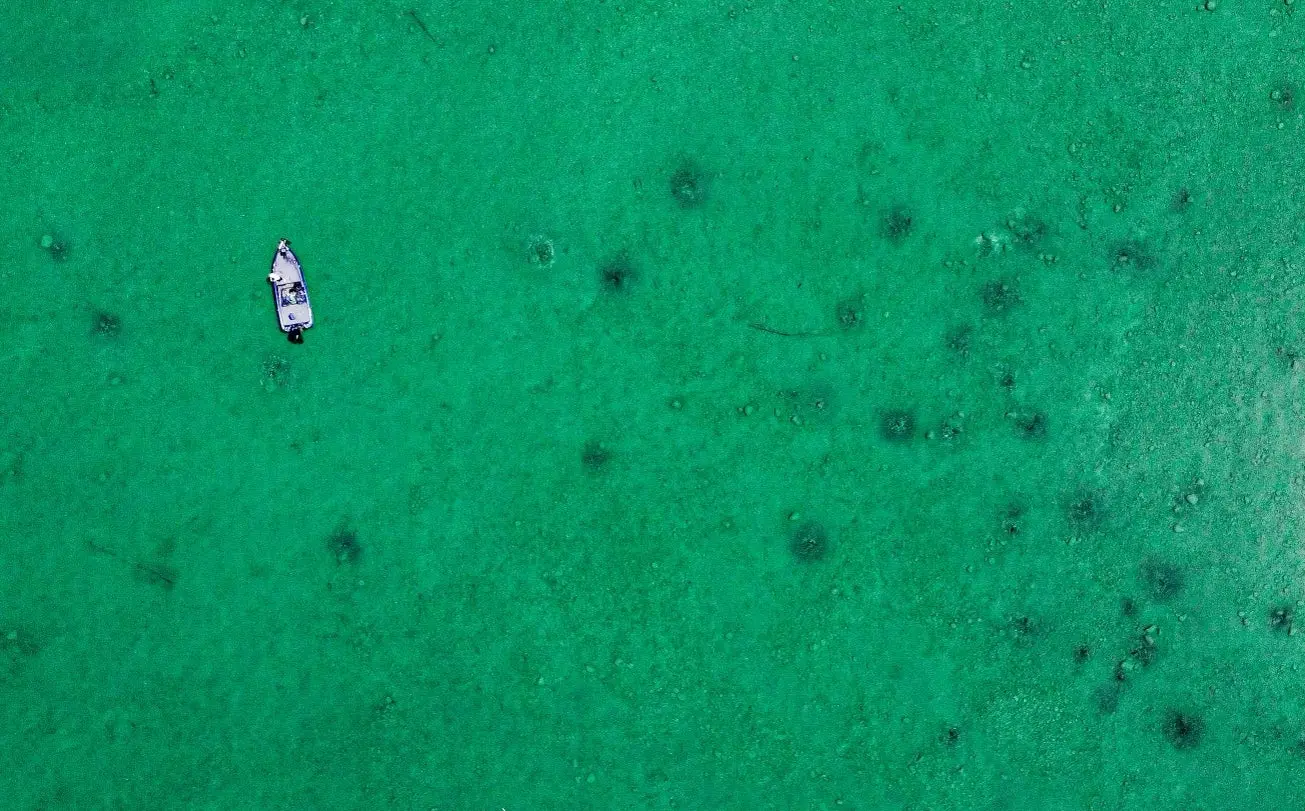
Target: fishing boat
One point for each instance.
(290, 293)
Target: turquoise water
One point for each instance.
(754, 405)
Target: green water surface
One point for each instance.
(711, 405)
